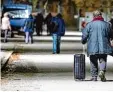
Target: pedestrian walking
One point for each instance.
(5, 26)
(97, 34)
(58, 30)
(47, 21)
(28, 29)
(111, 22)
(39, 23)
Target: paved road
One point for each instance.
(54, 82)
(55, 73)
(39, 70)
(48, 63)
(70, 44)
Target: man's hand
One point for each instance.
(10, 28)
(112, 43)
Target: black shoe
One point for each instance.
(93, 79)
(102, 76)
(58, 52)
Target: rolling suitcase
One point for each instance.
(79, 66)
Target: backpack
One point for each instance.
(54, 26)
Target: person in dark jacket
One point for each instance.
(57, 32)
(111, 22)
(39, 23)
(47, 21)
(28, 29)
(97, 35)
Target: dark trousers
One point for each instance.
(94, 63)
(48, 30)
(111, 54)
(39, 30)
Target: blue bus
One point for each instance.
(18, 14)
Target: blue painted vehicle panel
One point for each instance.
(18, 13)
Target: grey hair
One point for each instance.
(97, 13)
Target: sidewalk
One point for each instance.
(50, 63)
(43, 44)
(54, 82)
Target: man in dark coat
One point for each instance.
(47, 21)
(39, 23)
(111, 22)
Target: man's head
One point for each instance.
(97, 13)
